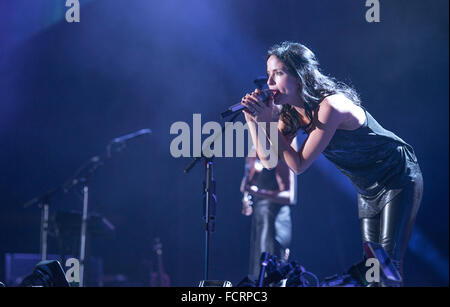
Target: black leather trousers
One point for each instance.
(271, 232)
(392, 227)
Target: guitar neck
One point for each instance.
(160, 263)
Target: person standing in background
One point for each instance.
(268, 197)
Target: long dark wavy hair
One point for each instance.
(315, 86)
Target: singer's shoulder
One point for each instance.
(336, 102)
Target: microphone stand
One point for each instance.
(43, 202)
(209, 201)
(83, 179)
(98, 162)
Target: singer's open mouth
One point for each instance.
(275, 94)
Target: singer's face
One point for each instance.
(279, 79)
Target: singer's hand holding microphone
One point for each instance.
(258, 106)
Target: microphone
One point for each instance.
(265, 95)
(131, 136)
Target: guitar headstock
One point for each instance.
(157, 246)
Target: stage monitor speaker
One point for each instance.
(18, 266)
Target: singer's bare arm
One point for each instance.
(326, 119)
(259, 116)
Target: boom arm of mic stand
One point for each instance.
(196, 159)
(43, 197)
(192, 164)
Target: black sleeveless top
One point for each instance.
(266, 179)
(378, 163)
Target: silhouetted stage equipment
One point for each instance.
(68, 223)
(48, 273)
(279, 273)
(18, 266)
(81, 179)
(65, 226)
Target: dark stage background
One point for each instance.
(67, 89)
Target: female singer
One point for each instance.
(382, 167)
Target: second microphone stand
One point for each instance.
(83, 179)
(82, 176)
